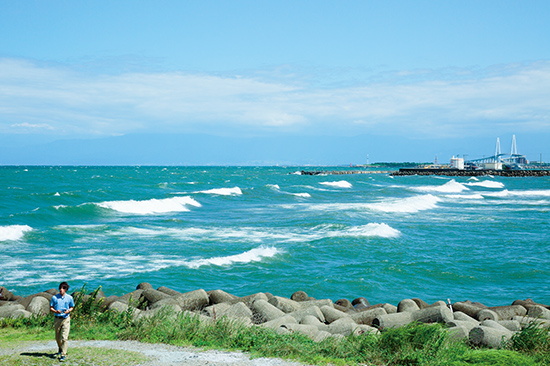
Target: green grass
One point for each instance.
(416, 344)
(76, 356)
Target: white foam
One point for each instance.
(369, 230)
(13, 232)
(466, 196)
(473, 178)
(152, 206)
(339, 184)
(407, 205)
(297, 173)
(57, 194)
(487, 184)
(522, 193)
(451, 186)
(304, 195)
(253, 255)
(274, 186)
(235, 191)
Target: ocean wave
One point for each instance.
(339, 184)
(451, 186)
(13, 232)
(235, 191)
(369, 230)
(253, 255)
(304, 195)
(407, 205)
(522, 193)
(476, 196)
(152, 206)
(273, 186)
(487, 184)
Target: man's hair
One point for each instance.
(64, 285)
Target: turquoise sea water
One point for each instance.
(246, 230)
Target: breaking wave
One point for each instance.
(451, 186)
(339, 184)
(487, 184)
(235, 191)
(152, 206)
(253, 255)
(525, 193)
(407, 205)
(13, 232)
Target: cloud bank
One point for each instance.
(37, 98)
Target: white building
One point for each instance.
(457, 163)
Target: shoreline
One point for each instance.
(318, 319)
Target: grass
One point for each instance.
(78, 356)
(415, 344)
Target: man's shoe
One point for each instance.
(56, 355)
(62, 359)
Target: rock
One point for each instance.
(5, 294)
(278, 322)
(489, 337)
(367, 316)
(285, 305)
(220, 296)
(344, 303)
(395, 320)
(537, 311)
(131, 298)
(168, 291)
(39, 306)
(360, 303)
(150, 296)
(420, 303)
(194, 300)
(265, 311)
(299, 296)
(27, 300)
(312, 311)
(332, 314)
(8, 311)
(407, 305)
(248, 300)
(457, 333)
(144, 286)
(52, 291)
(459, 315)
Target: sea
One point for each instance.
(271, 229)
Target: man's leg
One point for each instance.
(65, 329)
(57, 325)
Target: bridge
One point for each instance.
(513, 159)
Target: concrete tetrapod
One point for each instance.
(220, 296)
(367, 316)
(489, 337)
(284, 304)
(407, 305)
(194, 300)
(537, 311)
(331, 314)
(501, 312)
(266, 312)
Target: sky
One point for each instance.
(394, 80)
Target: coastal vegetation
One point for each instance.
(413, 344)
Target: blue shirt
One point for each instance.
(62, 303)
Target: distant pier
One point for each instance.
(343, 172)
(473, 173)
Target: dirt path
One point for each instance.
(160, 354)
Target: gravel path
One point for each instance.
(162, 354)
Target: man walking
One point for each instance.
(61, 305)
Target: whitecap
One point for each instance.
(13, 232)
(273, 186)
(369, 230)
(466, 196)
(57, 194)
(339, 184)
(407, 205)
(487, 184)
(253, 255)
(519, 193)
(235, 191)
(451, 186)
(473, 178)
(304, 195)
(152, 206)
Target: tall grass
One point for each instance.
(415, 344)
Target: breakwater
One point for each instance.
(472, 173)
(318, 319)
(343, 172)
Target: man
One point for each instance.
(61, 305)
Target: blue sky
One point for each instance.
(429, 74)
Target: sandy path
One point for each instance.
(162, 354)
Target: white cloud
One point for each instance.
(434, 103)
